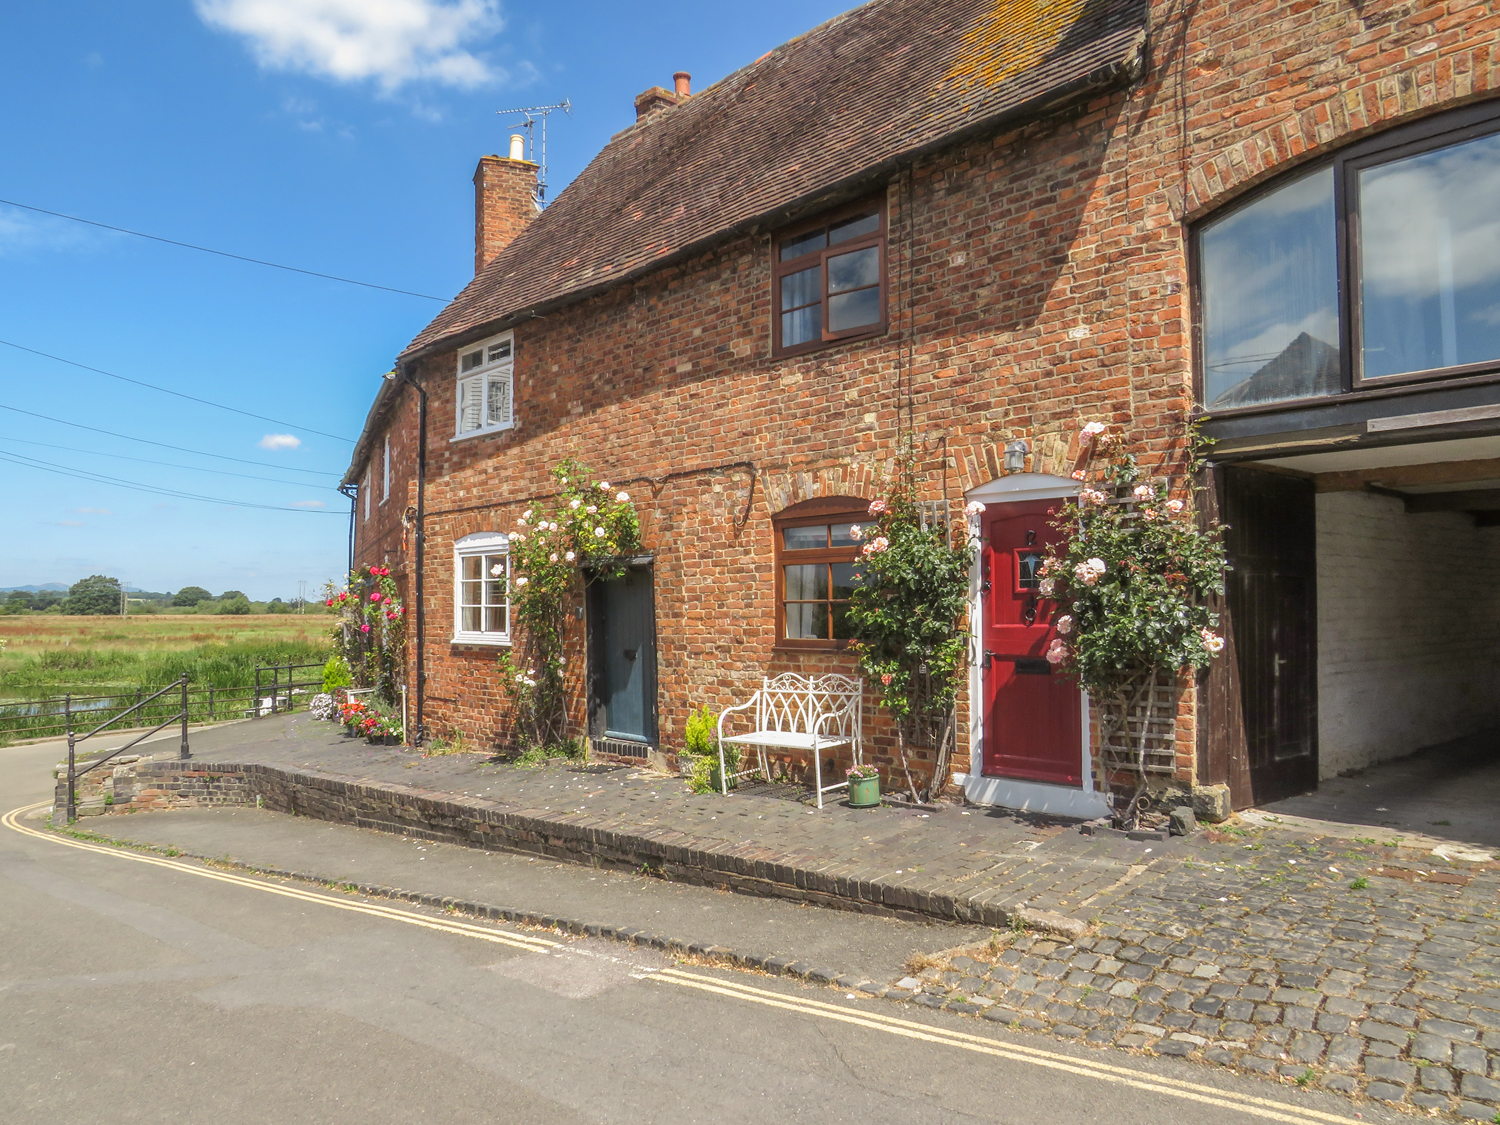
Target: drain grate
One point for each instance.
(621, 748)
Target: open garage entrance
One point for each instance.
(1364, 608)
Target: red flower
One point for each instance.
(330, 601)
(374, 597)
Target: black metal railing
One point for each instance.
(74, 773)
(53, 716)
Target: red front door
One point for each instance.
(1033, 725)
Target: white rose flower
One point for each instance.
(570, 556)
(623, 497)
(598, 533)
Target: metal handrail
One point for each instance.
(74, 773)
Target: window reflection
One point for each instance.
(1430, 260)
(1270, 297)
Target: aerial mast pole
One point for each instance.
(531, 114)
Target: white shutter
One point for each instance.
(498, 413)
(470, 404)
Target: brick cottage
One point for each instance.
(980, 224)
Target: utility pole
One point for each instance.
(124, 600)
(302, 596)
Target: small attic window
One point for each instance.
(829, 280)
(486, 382)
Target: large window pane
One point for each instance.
(839, 535)
(801, 326)
(1429, 260)
(807, 621)
(854, 271)
(844, 579)
(1269, 292)
(471, 619)
(804, 245)
(805, 538)
(495, 619)
(853, 310)
(853, 228)
(806, 583)
(800, 288)
(843, 627)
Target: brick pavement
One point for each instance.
(1357, 964)
(1264, 952)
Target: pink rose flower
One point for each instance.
(1064, 624)
(1142, 492)
(877, 507)
(364, 628)
(973, 508)
(1211, 640)
(886, 678)
(1057, 652)
(1175, 507)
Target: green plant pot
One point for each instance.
(864, 792)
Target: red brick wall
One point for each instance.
(1038, 280)
(503, 193)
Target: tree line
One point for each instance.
(99, 594)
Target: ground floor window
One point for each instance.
(816, 571)
(481, 589)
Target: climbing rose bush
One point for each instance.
(588, 523)
(1133, 575)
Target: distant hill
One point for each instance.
(59, 586)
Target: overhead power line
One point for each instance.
(167, 464)
(169, 391)
(220, 253)
(136, 486)
(162, 444)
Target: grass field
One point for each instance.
(48, 654)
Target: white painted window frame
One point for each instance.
(364, 490)
(1015, 793)
(478, 380)
(481, 544)
(385, 492)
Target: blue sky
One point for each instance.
(334, 135)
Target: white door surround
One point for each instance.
(1013, 793)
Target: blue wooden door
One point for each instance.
(626, 658)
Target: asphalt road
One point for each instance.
(139, 988)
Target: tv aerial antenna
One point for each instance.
(532, 115)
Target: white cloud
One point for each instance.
(308, 504)
(280, 441)
(21, 231)
(71, 523)
(93, 511)
(391, 42)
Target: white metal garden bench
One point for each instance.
(794, 712)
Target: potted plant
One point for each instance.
(864, 787)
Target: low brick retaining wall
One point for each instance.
(149, 785)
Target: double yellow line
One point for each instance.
(1265, 1108)
(12, 820)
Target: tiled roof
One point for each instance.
(862, 92)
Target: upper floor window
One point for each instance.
(828, 280)
(816, 560)
(481, 589)
(1288, 311)
(485, 383)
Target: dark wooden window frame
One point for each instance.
(812, 513)
(780, 269)
(1436, 132)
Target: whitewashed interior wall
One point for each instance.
(1408, 629)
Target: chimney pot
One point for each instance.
(683, 81)
(517, 147)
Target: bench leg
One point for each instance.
(818, 773)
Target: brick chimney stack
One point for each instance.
(654, 99)
(504, 202)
